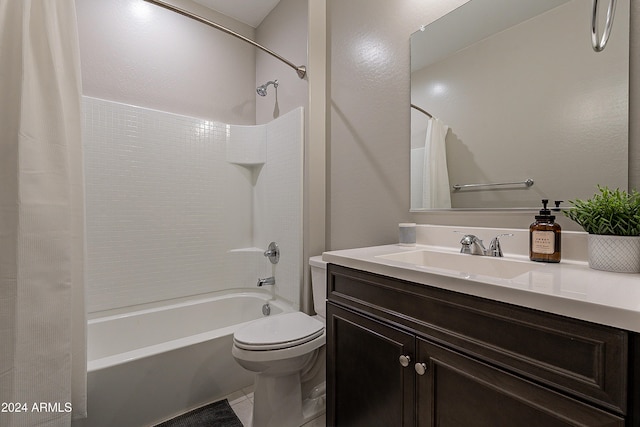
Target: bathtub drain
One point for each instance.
(266, 309)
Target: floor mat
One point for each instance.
(218, 414)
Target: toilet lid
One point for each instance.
(280, 331)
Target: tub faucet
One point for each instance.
(267, 281)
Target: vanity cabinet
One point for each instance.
(369, 385)
(406, 354)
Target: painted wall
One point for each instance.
(368, 160)
(284, 31)
(140, 54)
(369, 138)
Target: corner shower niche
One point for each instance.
(179, 206)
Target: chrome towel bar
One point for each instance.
(527, 182)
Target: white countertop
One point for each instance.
(569, 288)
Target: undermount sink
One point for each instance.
(463, 263)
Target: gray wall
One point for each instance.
(369, 137)
(284, 31)
(634, 97)
(140, 54)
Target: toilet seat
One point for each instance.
(278, 332)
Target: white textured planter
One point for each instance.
(620, 254)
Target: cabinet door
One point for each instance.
(454, 390)
(367, 384)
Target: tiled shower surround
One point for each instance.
(179, 206)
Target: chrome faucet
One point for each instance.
(269, 281)
(494, 247)
(473, 245)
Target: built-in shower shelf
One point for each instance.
(247, 250)
(247, 145)
(247, 165)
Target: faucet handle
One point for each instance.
(466, 241)
(494, 247)
(471, 244)
(273, 253)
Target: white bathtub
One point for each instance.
(147, 365)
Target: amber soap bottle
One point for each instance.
(544, 237)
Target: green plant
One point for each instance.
(608, 212)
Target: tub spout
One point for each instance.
(266, 282)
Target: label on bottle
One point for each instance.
(543, 242)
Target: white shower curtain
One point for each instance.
(436, 192)
(42, 315)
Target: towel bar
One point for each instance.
(527, 182)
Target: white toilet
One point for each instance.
(287, 353)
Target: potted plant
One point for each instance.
(612, 219)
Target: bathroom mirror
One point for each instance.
(522, 96)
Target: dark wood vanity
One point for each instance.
(407, 354)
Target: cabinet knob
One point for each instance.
(404, 360)
(421, 368)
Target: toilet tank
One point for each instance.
(319, 284)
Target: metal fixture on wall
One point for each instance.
(527, 183)
(301, 70)
(262, 90)
(422, 110)
(599, 45)
(273, 253)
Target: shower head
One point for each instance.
(262, 90)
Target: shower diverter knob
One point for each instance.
(273, 253)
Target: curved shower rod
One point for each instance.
(300, 69)
(422, 110)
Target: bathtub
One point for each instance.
(147, 365)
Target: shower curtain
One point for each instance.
(42, 315)
(436, 190)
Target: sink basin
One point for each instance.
(464, 264)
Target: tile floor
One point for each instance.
(242, 403)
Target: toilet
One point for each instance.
(287, 354)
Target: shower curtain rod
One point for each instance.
(421, 110)
(300, 69)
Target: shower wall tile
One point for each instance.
(156, 188)
(168, 216)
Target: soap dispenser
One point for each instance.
(544, 237)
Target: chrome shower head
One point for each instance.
(262, 90)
